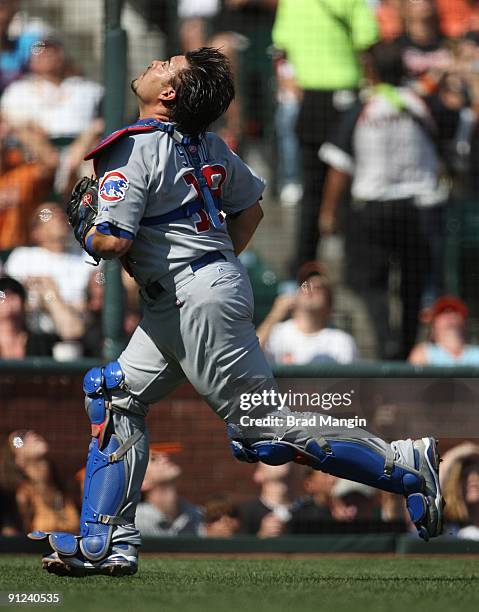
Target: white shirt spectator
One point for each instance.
(388, 150)
(63, 110)
(69, 271)
(289, 346)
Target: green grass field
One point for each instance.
(329, 584)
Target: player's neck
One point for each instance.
(155, 112)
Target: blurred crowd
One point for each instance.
(290, 500)
(368, 125)
(372, 112)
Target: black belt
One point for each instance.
(155, 289)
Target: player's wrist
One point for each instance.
(88, 242)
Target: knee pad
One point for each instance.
(97, 386)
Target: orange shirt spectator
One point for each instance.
(458, 17)
(23, 185)
(21, 189)
(58, 514)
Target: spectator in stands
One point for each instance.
(385, 146)
(327, 69)
(423, 45)
(163, 512)
(196, 22)
(27, 167)
(26, 470)
(460, 485)
(305, 337)
(242, 30)
(220, 518)
(268, 515)
(14, 50)
(458, 17)
(353, 501)
(447, 344)
(16, 339)
(311, 512)
(56, 279)
(63, 105)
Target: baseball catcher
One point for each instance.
(180, 206)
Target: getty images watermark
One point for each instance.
(281, 405)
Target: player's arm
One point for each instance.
(107, 246)
(122, 194)
(242, 226)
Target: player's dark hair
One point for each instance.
(204, 91)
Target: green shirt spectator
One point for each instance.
(322, 38)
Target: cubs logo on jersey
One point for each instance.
(113, 186)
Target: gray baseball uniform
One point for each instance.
(201, 326)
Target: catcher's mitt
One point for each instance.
(82, 209)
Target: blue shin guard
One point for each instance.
(360, 460)
(106, 474)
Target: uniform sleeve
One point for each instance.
(338, 152)
(242, 187)
(124, 178)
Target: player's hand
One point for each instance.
(282, 307)
(271, 526)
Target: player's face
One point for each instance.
(155, 83)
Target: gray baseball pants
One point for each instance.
(202, 331)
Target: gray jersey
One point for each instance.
(147, 175)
